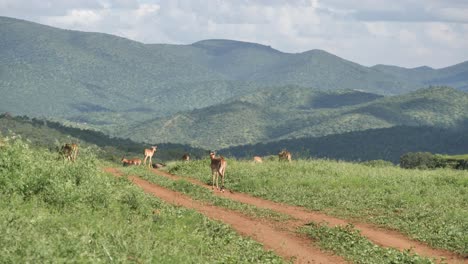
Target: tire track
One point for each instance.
(284, 243)
(379, 236)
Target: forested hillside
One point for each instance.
(103, 81)
(373, 144)
(52, 135)
(294, 112)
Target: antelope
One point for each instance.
(149, 154)
(127, 162)
(186, 157)
(158, 165)
(284, 155)
(218, 168)
(69, 151)
(257, 159)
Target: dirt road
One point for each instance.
(280, 236)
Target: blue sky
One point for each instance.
(407, 33)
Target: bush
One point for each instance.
(419, 160)
(30, 172)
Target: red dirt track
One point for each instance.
(280, 237)
(283, 243)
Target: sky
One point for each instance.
(406, 33)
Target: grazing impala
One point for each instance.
(149, 154)
(284, 155)
(69, 151)
(128, 162)
(218, 168)
(257, 159)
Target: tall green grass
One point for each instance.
(428, 205)
(346, 241)
(57, 211)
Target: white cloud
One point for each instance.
(81, 18)
(146, 10)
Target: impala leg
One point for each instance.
(222, 182)
(213, 181)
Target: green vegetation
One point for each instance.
(427, 205)
(57, 211)
(143, 91)
(205, 195)
(52, 135)
(385, 143)
(426, 160)
(300, 113)
(347, 242)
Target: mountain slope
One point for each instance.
(373, 144)
(104, 80)
(295, 112)
(52, 135)
(454, 76)
(146, 91)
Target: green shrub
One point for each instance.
(418, 160)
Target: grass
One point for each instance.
(428, 205)
(205, 195)
(457, 157)
(348, 242)
(57, 211)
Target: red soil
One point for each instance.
(280, 236)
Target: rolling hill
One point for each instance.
(51, 135)
(213, 93)
(106, 82)
(296, 112)
(372, 144)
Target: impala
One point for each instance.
(69, 151)
(186, 157)
(127, 162)
(149, 154)
(284, 155)
(218, 168)
(257, 159)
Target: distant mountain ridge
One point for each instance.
(179, 92)
(118, 74)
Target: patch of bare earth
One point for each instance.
(379, 236)
(287, 244)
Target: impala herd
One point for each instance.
(218, 164)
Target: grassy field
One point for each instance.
(348, 242)
(343, 241)
(57, 211)
(427, 205)
(205, 195)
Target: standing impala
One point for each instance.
(218, 168)
(149, 154)
(186, 157)
(69, 151)
(284, 155)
